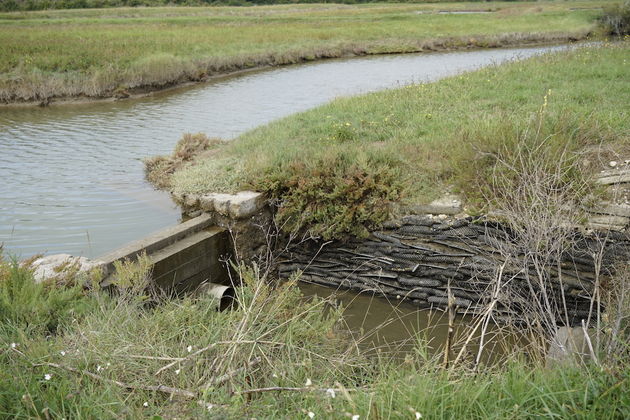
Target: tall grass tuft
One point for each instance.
(277, 355)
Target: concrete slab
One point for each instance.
(157, 240)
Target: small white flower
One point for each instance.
(418, 416)
(355, 417)
(311, 414)
(177, 371)
(47, 377)
(189, 349)
(308, 382)
(13, 345)
(108, 364)
(274, 375)
(63, 353)
(146, 404)
(331, 392)
(99, 368)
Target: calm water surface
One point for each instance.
(394, 327)
(71, 176)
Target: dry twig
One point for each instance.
(157, 388)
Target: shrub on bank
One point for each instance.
(29, 307)
(616, 19)
(332, 197)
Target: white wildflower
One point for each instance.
(189, 349)
(331, 392)
(355, 417)
(311, 414)
(63, 353)
(146, 404)
(418, 416)
(274, 375)
(308, 382)
(47, 377)
(177, 371)
(99, 368)
(13, 345)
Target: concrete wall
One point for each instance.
(183, 256)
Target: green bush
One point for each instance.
(333, 197)
(616, 19)
(32, 306)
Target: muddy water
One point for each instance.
(396, 328)
(71, 176)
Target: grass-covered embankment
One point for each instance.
(115, 52)
(71, 352)
(337, 168)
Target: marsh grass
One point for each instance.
(158, 169)
(275, 338)
(423, 140)
(115, 52)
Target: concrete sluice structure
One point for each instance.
(182, 256)
(422, 258)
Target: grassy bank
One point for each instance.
(67, 351)
(116, 52)
(336, 167)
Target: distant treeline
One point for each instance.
(15, 5)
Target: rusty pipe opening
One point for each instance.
(223, 295)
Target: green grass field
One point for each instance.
(113, 52)
(68, 352)
(337, 166)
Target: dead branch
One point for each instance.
(156, 388)
(285, 388)
(137, 356)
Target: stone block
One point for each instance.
(56, 266)
(236, 206)
(206, 202)
(191, 200)
(614, 177)
(608, 222)
(447, 205)
(568, 346)
(222, 203)
(613, 209)
(245, 204)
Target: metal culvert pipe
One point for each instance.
(223, 295)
